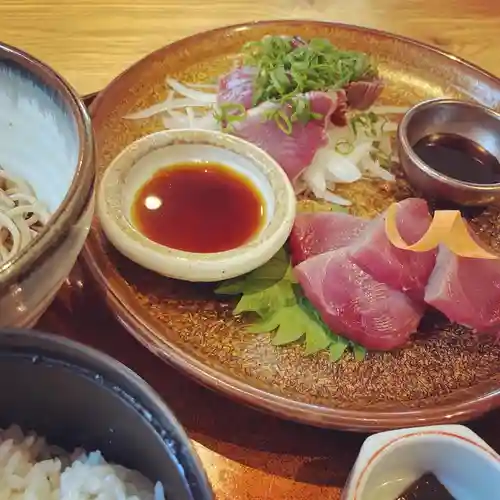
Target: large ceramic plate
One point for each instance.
(448, 375)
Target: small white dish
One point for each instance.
(138, 163)
(390, 462)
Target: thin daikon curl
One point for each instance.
(197, 95)
(191, 97)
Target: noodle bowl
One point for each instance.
(22, 215)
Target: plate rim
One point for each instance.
(237, 388)
(249, 25)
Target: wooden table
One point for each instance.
(247, 455)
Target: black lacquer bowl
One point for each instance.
(76, 396)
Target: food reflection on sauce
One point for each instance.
(198, 207)
(458, 157)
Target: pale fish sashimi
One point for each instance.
(237, 87)
(363, 93)
(294, 151)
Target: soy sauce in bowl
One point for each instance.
(459, 158)
(428, 487)
(200, 207)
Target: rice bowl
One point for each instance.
(77, 413)
(31, 468)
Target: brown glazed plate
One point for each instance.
(447, 375)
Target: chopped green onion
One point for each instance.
(288, 69)
(344, 147)
(229, 113)
(283, 122)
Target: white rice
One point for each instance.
(30, 469)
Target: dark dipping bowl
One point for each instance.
(76, 396)
(438, 116)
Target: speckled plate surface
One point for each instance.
(446, 375)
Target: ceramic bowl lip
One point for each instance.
(415, 160)
(379, 454)
(199, 266)
(80, 191)
(34, 340)
(146, 330)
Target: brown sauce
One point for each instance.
(459, 158)
(198, 207)
(427, 487)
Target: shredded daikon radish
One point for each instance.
(193, 109)
(22, 215)
(206, 86)
(166, 105)
(197, 95)
(336, 199)
(182, 120)
(373, 169)
(352, 151)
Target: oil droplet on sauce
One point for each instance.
(199, 207)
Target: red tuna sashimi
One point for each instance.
(294, 151)
(401, 269)
(466, 290)
(237, 87)
(363, 93)
(339, 116)
(355, 305)
(319, 232)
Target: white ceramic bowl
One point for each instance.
(391, 461)
(45, 138)
(139, 161)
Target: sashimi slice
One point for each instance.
(403, 270)
(363, 93)
(237, 87)
(339, 116)
(355, 305)
(318, 232)
(294, 151)
(466, 290)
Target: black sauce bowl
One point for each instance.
(76, 396)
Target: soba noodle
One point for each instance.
(22, 215)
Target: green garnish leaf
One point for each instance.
(231, 287)
(359, 352)
(263, 278)
(279, 307)
(275, 269)
(286, 322)
(319, 336)
(338, 348)
(269, 296)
